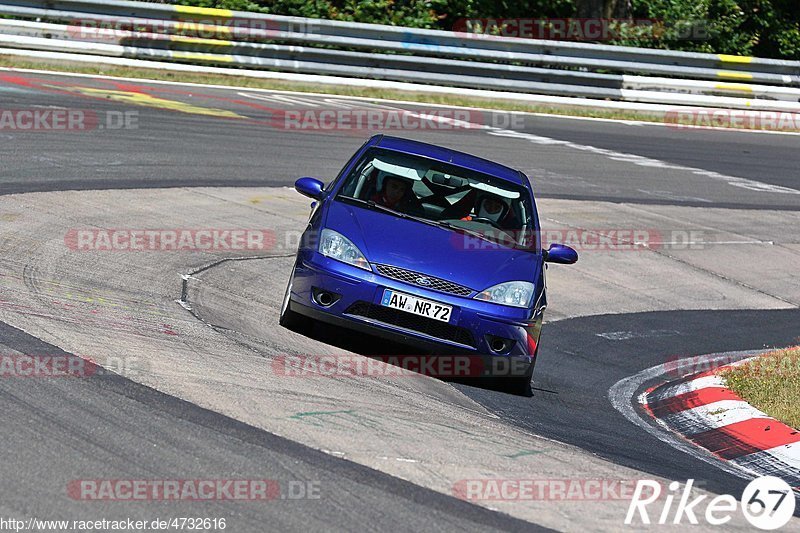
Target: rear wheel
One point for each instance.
(290, 319)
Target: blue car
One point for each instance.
(430, 247)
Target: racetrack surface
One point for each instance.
(580, 366)
(224, 138)
(62, 430)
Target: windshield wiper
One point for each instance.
(371, 204)
(466, 231)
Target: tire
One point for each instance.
(520, 386)
(292, 320)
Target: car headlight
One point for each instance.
(513, 293)
(336, 246)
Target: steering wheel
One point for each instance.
(487, 220)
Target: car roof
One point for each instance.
(446, 155)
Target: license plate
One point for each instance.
(416, 306)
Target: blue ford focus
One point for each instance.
(431, 247)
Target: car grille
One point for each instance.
(428, 326)
(436, 284)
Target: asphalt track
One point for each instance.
(108, 427)
(579, 367)
(173, 149)
(179, 148)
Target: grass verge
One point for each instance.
(770, 383)
(245, 81)
(699, 120)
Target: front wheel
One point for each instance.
(290, 319)
(519, 386)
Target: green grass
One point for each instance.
(771, 383)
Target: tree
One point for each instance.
(607, 9)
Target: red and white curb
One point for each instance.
(704, 411)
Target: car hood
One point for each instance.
(439, 252)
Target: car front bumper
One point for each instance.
(474, 329)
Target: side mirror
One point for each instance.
(560, 253)
(310, 187)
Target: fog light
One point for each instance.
(499, 345)
(324, 298)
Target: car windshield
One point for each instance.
(430, 191)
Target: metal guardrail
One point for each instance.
(401, 54)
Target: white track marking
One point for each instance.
(353, 104)
(331, 102)
(735, 181)
(743, 183)
(281, 99)
(311, 102)
(621, 396)
(695, 384)
(716, 415)
(789, 454)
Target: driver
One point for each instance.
(494, 209)
(396, 194)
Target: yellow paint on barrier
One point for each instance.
(147, 100)
(195, 56)
(204, 11)
(734, 75)
(725, 58)
(741, 87)
(199, 40)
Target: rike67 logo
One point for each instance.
(767, 502)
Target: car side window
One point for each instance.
(354, 183)
(341, 173)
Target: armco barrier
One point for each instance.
(356, 50)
